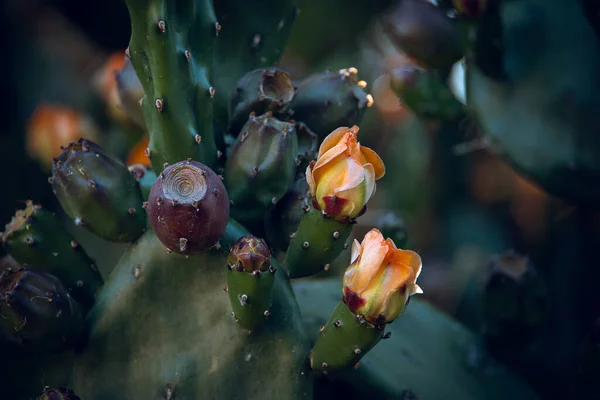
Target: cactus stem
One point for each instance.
(159, 104)
(162, 26)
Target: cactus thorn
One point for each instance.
(346, 245)
(169, 391)
(321, 328)
(131, 211)
(74, 244)
(362, 84)
(159, 200)
(353, 70)
(217, 28)
(147, 152)
(324, 365)
(357, 351)
(272, 269)
(137, 271)
(159, 104)
(145, 205)
(219, 154)
(356, 365)
(370, 100)
(169, 251)
(336, 235)
(174, 202)
(162, 26)
(211, 92)
(280, 25)
(243, 299)
(216, 192)
(267, 313)
(326, 267)
(233, 314)
(221, 177)
(256, 40)
(198, 138)
(292, 235)
(161, 175)
(127, 53)
(51, 181)
(29, 241)
(255, 170)
(183, 244)
(165, 165)
(274, 200)
(256, 273)
(78, 221)
(337, 323)
(195, 203)
(306, 209)
(387, 335)
(188, 55)
(305, 245)
(79, 283)
(92, 184)
(226, 289)
(141, 102)
(218, 246)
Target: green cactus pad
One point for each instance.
(130, 92)
(171, 49)
(427, 356)
(317, 242)
(98, 192)
(37, 312)
(250, 296)
(162, 324)
(343, 340)
(533, 89)
(58, 393)
(426, 94)
(261, 166)
(325, 101)
(256, 34)
(37, 238)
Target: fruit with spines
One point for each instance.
(261, 166)
(171, 49)
(58, 393)
(37, 311)
(426, 94)
(515, 304)
(250, 279)
(98, 192)
(259, 91)
(325, 101)
(37, 238)
(282, 220)
(256, 32)
(424, 32)
(188, 207)
(145, 177)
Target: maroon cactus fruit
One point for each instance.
(188, 207)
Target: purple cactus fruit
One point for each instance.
(188, 207)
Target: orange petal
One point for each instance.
(334, 138)
(373, 254)
(373, 158)
(407, 258)
(344, 174)
(355, 252)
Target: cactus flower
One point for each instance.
(342, 180)
(381, 278)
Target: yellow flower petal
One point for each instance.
(373, 158)
(335, 137)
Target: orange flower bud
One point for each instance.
(342, 180)
(53, 126)
(138, 154)
(381, 278)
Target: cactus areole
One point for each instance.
(188, 207)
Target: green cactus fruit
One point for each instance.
(145, 177)
(196, 352)
(515, 304)
(130, 92)
(392, 226)
(308, 144)
(37, 238)
(282, 220)
(188, 207)
(250, 278)
(58, 393)
(424, 32)
(426, 94)
(171, 49)
(537, 113)
(259, 91)
(98, 192)
(37, 311)
(317, 242)
(261, 166)
(343, 340)
(326, 101)
(256, 32)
